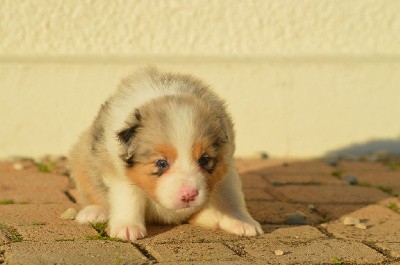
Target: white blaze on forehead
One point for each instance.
(182, 119)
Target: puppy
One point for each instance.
(160, 150)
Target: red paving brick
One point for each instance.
(276, 212)
(332, 194)
(33, 187)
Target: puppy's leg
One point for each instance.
(94, 199)
(227, 210)
(92, 214)
(127, 211)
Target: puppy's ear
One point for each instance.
(126, 137)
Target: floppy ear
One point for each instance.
(126, 137)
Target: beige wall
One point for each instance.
(302, 78)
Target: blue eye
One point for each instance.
(162, 164)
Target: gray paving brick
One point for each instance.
(383, 225)
(192, 252)
(186, 233)
(73, 252)
(321, 251)
(393, 248)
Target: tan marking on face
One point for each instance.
(141, 175)
(218, 173)
(205, 147)
(167, 151)
(199, 148)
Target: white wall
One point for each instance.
(301, 78)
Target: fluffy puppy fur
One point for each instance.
(160, 150)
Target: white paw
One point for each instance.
(92, 214)
(247, 227)
(128, 232)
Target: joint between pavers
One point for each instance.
(69, 196)
(386, 253)
(145, 252)
(324, 231)
(238, 250)
(2, 258)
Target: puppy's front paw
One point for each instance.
(128, 232)
(92, 214)
(247, 227)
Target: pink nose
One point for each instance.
(189, 194)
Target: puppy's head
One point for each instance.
(176, 150)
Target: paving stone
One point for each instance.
(382, 223)
(6, 167)
(275, 212)
(185, 233)
(250, 180)
(312, 167)
(391, 202)
(377, 231)
(375, 212)
(393, 248)
(73, 252)
(332, 194)
(387, 178)
(361, 166)
(257, 194)
(301, 178)
(4, 239)
(192, 252)
(320, 251)
(254, 165)
(292, 233)
(42, 222)
(336, 211)
(33, 187)
(209, 262)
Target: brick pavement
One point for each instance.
(300, 204)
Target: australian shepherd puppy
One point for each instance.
(160, 150)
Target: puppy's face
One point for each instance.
(176, 151)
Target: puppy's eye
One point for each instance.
(207, 163)
(204, 161)
(162, 164)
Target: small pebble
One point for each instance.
(296, 219)
(311, 207)
(69, 214)
(279, 252)
(361, 226)
(351, 180)
(18, 166)
(348, 220)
